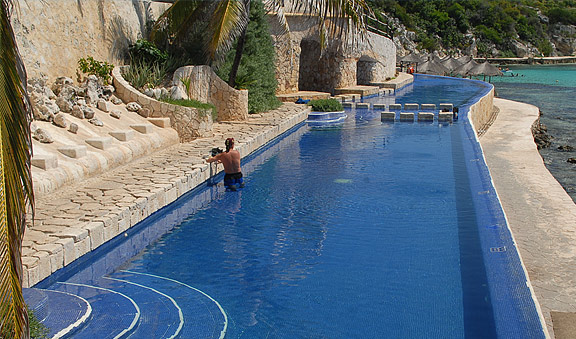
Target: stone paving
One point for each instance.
(76, 220)
(541, 215)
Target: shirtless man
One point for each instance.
(231, 162)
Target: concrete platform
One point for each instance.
(306, 95)
(361, 90)
(541, 215)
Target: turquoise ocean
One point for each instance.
(552, 88)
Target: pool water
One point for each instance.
(366, 230)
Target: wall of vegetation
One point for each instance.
(454, 24)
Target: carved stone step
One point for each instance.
(75, 151)
(160, 122)
(143, 128)
(123, 135)
(45, 162)
(100, 143)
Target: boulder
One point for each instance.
(133, 107)
(42, 136)
(64, 105)
(60, 83)
(96, 122)
(103, 105)
(93, 90)
(42, 113)
(116, 114)
(149, 92)
(60, 120)
(115, 100)
(88, 112)
(177, 93)
(73, 128)
(144, 112)
(77, 112)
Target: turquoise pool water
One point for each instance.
(553, 89)
(367, 230)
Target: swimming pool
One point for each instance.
(368, 230)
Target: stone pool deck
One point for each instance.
(541, 215)
(77, 219)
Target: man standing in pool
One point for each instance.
(231, 162)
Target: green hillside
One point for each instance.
(495, 26)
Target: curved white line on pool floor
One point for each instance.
(223, 332)
(136, 317)
(180, 315)
(78, 322)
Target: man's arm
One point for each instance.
(214, 158)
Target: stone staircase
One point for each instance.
(127, 304)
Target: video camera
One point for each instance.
(216, 151)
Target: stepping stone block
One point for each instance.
(428, 107)
(395, 107)
(387, 116)
(445, 106)
(425, 116)
(160, 122)
(407, 117)
(411, 107)
(445, 116)
(45, 162)
(123, 135)
(100, 143)
(363, 105)
(348, 104)
(144, 128)
(75, 152)
(379, 106)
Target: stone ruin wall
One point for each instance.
(481, 112)
(52, 35)
(302, 65)
(206, 86)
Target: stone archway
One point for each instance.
(310, 57)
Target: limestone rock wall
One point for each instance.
(481, 112)
(52, 35)
(303, 65)
(190, 123)
(206, 86)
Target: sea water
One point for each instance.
(553, 89)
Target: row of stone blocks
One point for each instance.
(398, 107)
(103, 143)
(422, 116)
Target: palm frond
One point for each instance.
(178, 19)
(275, 8)
(228, 20)
(16, 180)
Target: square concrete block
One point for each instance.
(445, 116)
(407, 117)
(75, 151)
(100, 143)
(160, 122)
(387, 116)
(348, 104)
(425, 116)
(411, 107)
(143, 128)
(363, 105)
(45, 162)
(447, 107)
(395, 107)
(123, 135)
(379, 106)
(428, 107)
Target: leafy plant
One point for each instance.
(203, 107)
(187, 82)
(326, 105)
(37, 329)
(146, 51)
(142, 75)
(101, 69)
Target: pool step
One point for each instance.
(325, 118)
(128, 304)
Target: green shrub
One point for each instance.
(203, 107)
(143, 75)
(37, 329)
(145, 51)
(257, 71)
(326, 105)
(101, 69)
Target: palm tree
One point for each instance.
(16, 193)
(227, 21)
